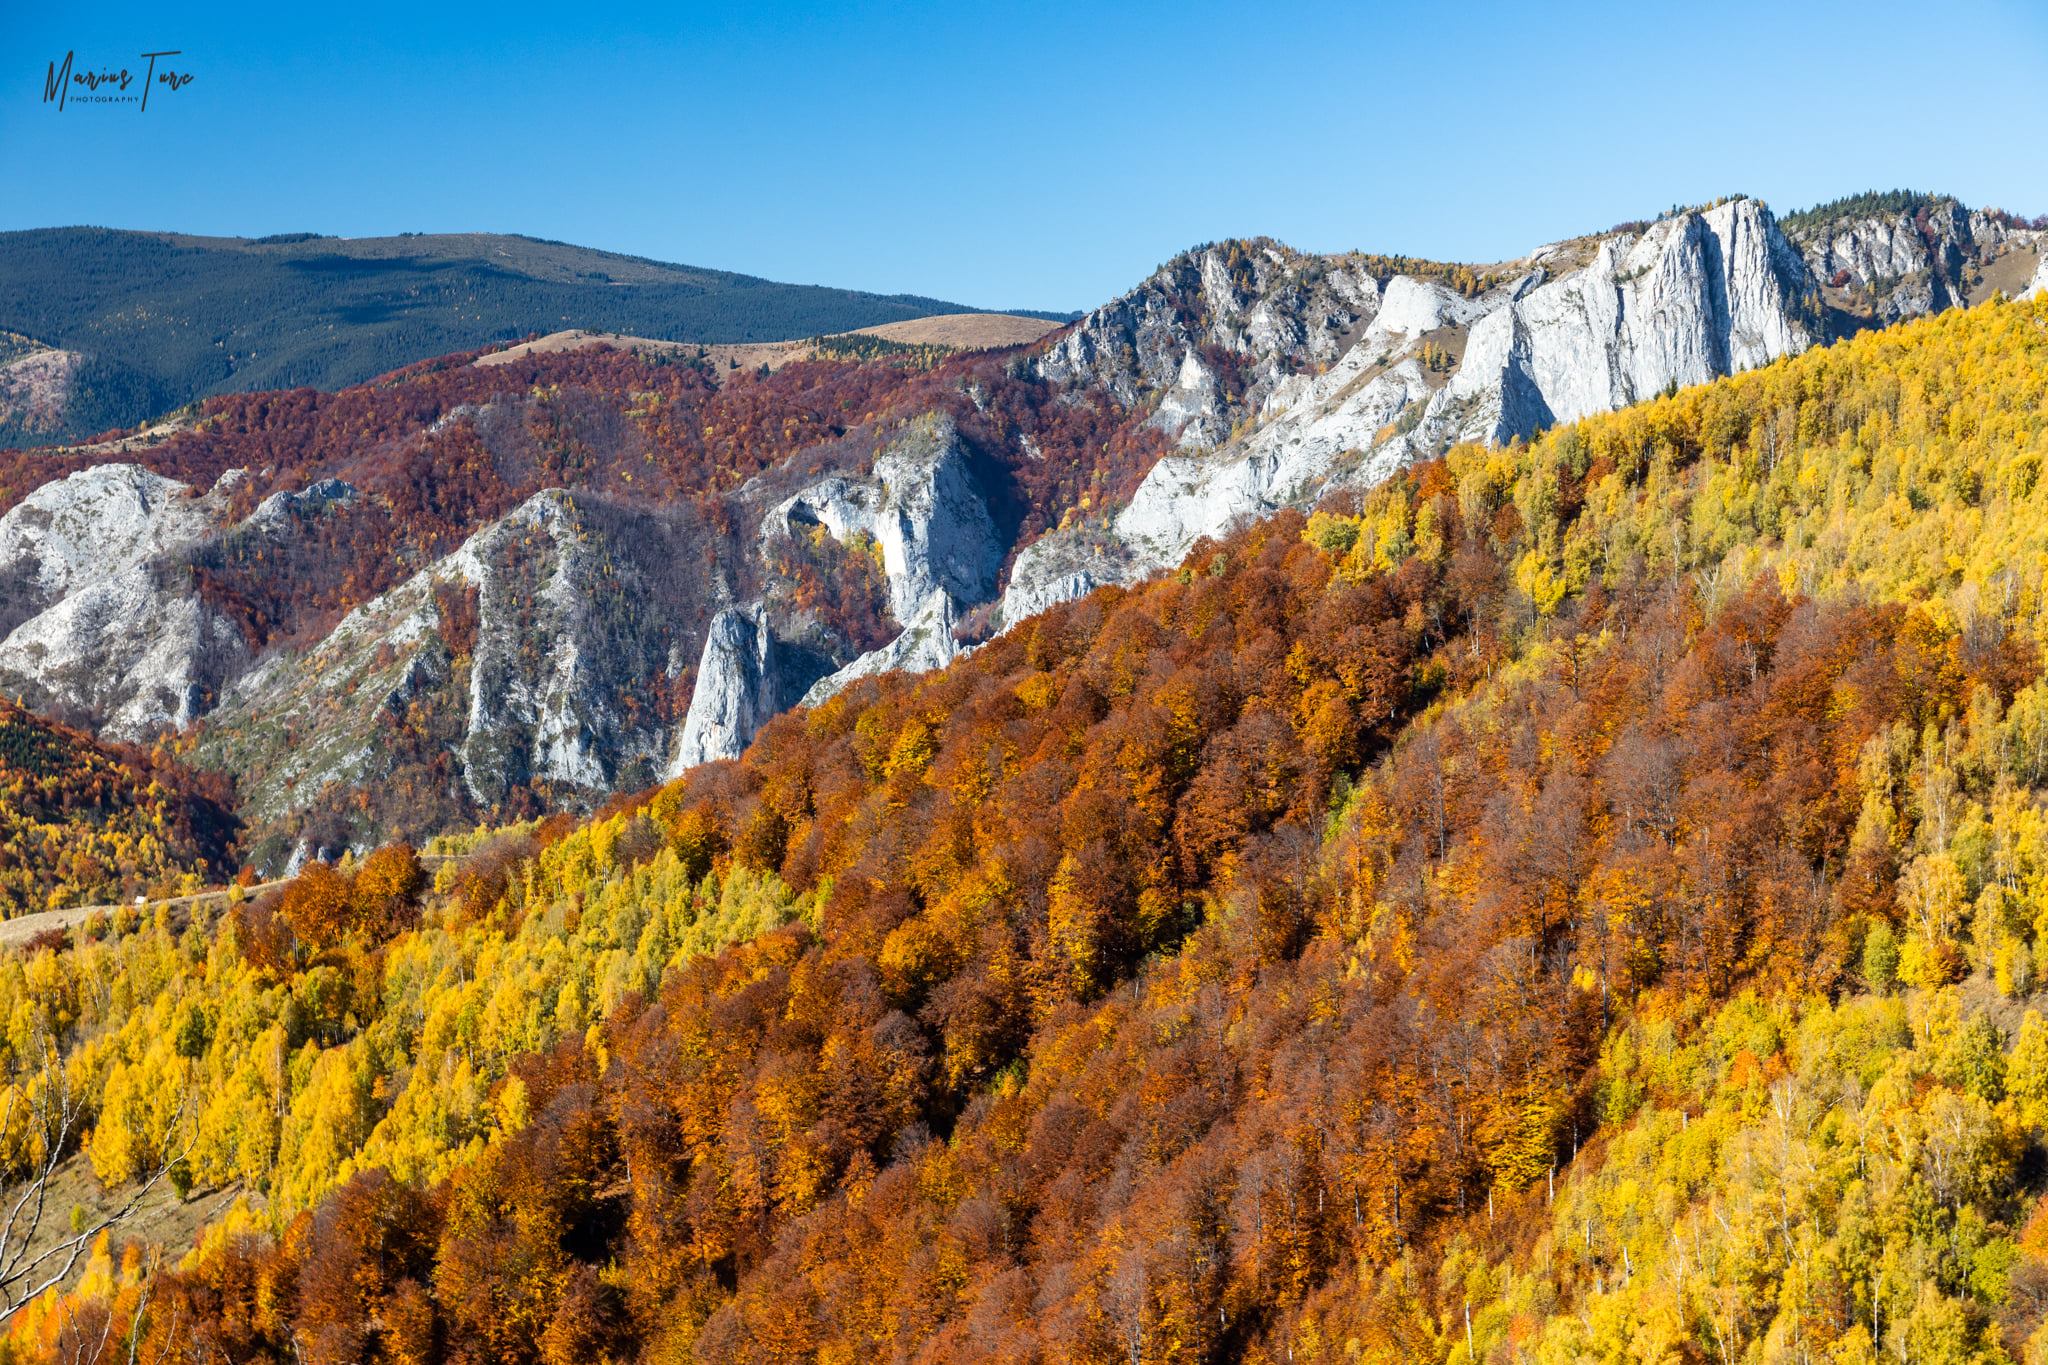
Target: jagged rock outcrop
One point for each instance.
(1059, 567)
(740, 687)
(1567, 331)
(1914, 271)
(101, 624)
(548, 660)
(535, 653)
(133, 653)
(1271, 311)
(90, 524)
(922, 506)
(1888, 258)
(546, 652)
(542, 691)
(281, 508)
(1193, 494)
(1690, 299)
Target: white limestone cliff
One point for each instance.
(736, 692)
(1272, 310)
(98, 626)
(137, 651)
(1692, 297)
(570, 636)
(1275, 377)
(1193, 494)
(96, 522)
(920, 506)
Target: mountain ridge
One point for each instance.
(155, 320)
(842, 515)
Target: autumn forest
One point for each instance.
(1581, 899)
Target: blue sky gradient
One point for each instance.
(1043, 155)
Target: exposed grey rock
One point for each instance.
(737, 690)
(924, 644)
(104, 619)
(1192, 494)
(1694, 297)
(135, 652)
(1276, 376)
(920, 506)
(1059, 567)
(1890, 254)
(1189, 409)
(917, 506)
(314, 498)
(1272, 310)
(1411, 308)
(581, 617)
(93, 523)
(528, 715)
(98, 626)
(1911, 263)
(1565, 334)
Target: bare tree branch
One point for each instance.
(24, 1276)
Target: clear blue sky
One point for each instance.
(1013, 155)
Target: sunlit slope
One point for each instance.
(1593, 886)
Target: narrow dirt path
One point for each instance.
(22, 928)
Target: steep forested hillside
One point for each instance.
(1579, 902)
(82, 823)
(166, 318)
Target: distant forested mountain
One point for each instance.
(150, 321)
